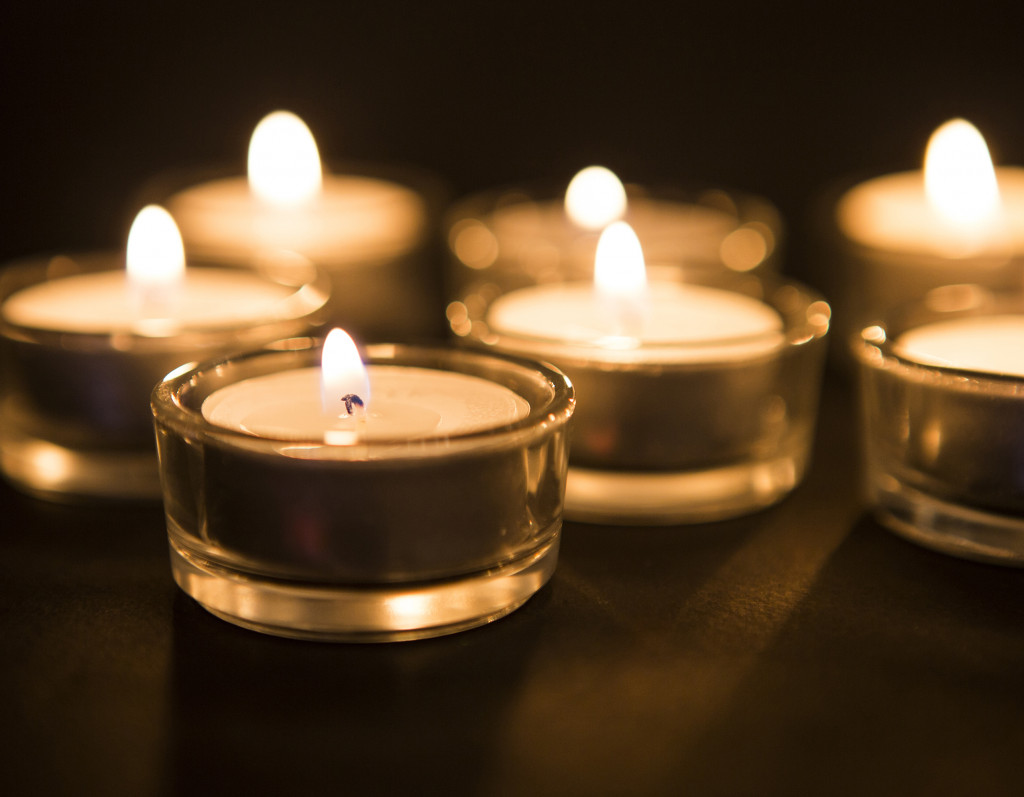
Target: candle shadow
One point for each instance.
(260, 713)
(890, 644)
(250, 711)
(619, 573)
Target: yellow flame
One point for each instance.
(619, 268)
(595, 198)
(343, 376)
(156, 254)
(960, 180)
(284, 165)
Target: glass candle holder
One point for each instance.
(943, 463)
(682, 431)
(74, 400)
(521, 236)
(873, 276)
(364, 540)
(372, 229)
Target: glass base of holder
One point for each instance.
(697, 496)
(948, 527)
(55, 472)
(343, 613)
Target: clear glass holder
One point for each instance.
(359, 613)
(75, 422)
(941, 445)
(674, 433)
(386, 540)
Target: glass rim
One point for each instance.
(806, 317)
(745, 206)
(173, 407)
(875, 345)
(309, 297)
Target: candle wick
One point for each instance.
(351, 402)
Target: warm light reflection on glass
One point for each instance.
(960, 181)
(819, 315)
(743, 249)
(931, 442)
(458, 318)
(284, 165)
(344, 383)
(410, 609)
(53, 466)
(957, 298)
(874, 334)
(595, 198)
(156, 254)
(473, 243)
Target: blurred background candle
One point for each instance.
(371, 232)
(519, 236)
(942, 403)
(696, 399)
(84, 340)
(957, 221)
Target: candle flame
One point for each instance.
(620, 277)
(595, 198)
(344, 383)
(960, 180)
(619, 262)
(156, 254)
(284, 165)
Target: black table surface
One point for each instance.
(800, 650)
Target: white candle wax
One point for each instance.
(106, 303)
(407, 403)
(987, 344)
(680, 323)
(892, 213)
(351, 219)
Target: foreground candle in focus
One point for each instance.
(520, 236)
(957, 221)
(369, 229)
(83, 342)
(697, 400)
(943, 419)
(306, 497)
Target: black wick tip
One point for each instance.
(351, 401)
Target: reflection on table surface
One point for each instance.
(799, 650)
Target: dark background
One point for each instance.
(799, 650)
(776, 98)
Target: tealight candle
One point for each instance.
(696, 401)
(83, 342)
(987, 344)
(957, 221)
(943, 410)
(408, 403)
(308, 497)
(370, 233)
(517, 237)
